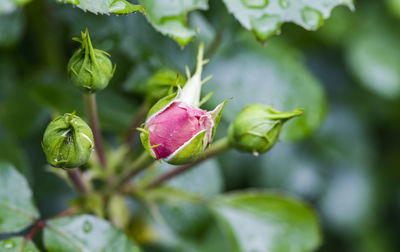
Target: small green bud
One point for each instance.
(163, 83)
(256, 128)
(68, 141)
(90, 69)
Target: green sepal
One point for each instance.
(89, 69)
(190, 151)
(162, 104)
(206, 98)
(144, 137)
(216, 115)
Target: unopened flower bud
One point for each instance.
(90, 69)
(163, 83)
(68, 141)
(176, 129)
(256, 128)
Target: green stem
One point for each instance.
(139, 117)
(217, 148)
(75, 177)
(140, 164)
(91, 109)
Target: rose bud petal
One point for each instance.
(176, 129)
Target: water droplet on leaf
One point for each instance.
(87, 226)
(284, 3)
(8, 244)
(312, 18)
(265, 26)
(255, 3)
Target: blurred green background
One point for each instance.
(343, 157)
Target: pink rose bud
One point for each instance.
(176, 125)
(176, 129)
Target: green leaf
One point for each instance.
(85, 233)
(11, 28)
(374, 59)
(119, 7)
(17, 210)
(169, 17)
(15, 244)
(266, 221)
(265, 17)
(8, 6)
(270, 76)
(181, 200)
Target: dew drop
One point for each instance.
(87, 226)
(284, 3)
(265, 26)
(255, 3)
(8, 244)
(312, 18)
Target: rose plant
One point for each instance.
(146, 198)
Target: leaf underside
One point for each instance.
(265, 17)
(118, 7)
(169, 17)
(17, 210)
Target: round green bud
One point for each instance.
(90, 69)
(68, 142)
(164, 82)
(256, 128)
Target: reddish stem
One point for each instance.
(75, 177)
(39, 225)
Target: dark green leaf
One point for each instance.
(15, 244)
(17, 210)
(169, 17)
(265, 17)
(85, 233)
(266, 221)
(105, 6)
(11, 28)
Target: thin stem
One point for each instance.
(217, 148)
(141, 163)
(39, 225)
(91, 109)
(139, 117)
(75, 177)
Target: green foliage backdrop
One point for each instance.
(330, 184)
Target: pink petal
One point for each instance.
(175, 126)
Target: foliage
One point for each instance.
(330, 185)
